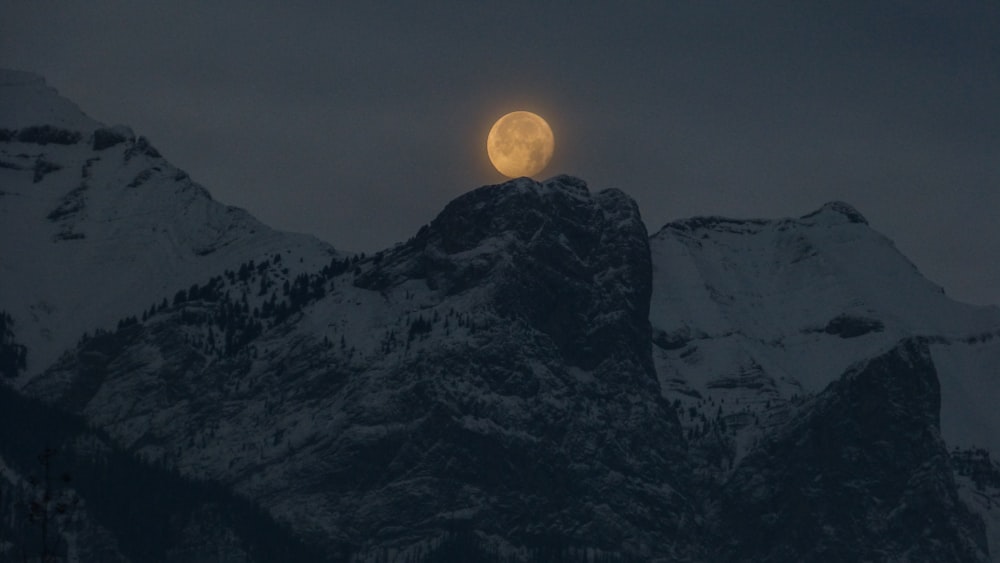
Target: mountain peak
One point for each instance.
(561, 185)
(520, 213)
(829, 214)
(26, 100)
(837, 212)
(546, 251)
(567, 183)
(523, 206)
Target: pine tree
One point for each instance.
(13, 356)
(49, 507)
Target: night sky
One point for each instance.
(359, 123)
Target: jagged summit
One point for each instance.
(518, 214)
(550, 251)
(568, 180)
(560, 182)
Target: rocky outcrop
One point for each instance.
(502, 386)
(860, 474)
(573, 266)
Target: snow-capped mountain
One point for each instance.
(492, 374)
(797, 301)
(530, 377)
(750, 314)
(95, 224)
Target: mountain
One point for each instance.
(492, 374)
(859, 474)
(796, 301)
(750, 316)
(530, 377)
(96, 225)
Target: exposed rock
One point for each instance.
(538, 423)
(45, 134)
(860, 475)
(107, 137)
(846, 326)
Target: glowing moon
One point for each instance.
(520, 144)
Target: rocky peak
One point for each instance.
(835, 212)
(550, 253)
(522, 210)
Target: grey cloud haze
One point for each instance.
(358, 122)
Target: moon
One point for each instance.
(520, 144)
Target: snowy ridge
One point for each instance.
(818, 286)
(752, 316)
(26, 100)
(95, 224)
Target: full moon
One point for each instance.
(520, 144)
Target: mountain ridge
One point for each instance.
(491, 376)
(96, 224)
(530, 377)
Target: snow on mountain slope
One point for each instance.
(95, 225)
(797, 301)
(491, 375)
(26, 100)
(750, 317)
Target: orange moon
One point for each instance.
(520, 144)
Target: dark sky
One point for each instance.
(358, 122)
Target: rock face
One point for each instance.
(859, 474)
(574, 267)
(548, 415)
(496, 383)
(530, 377)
